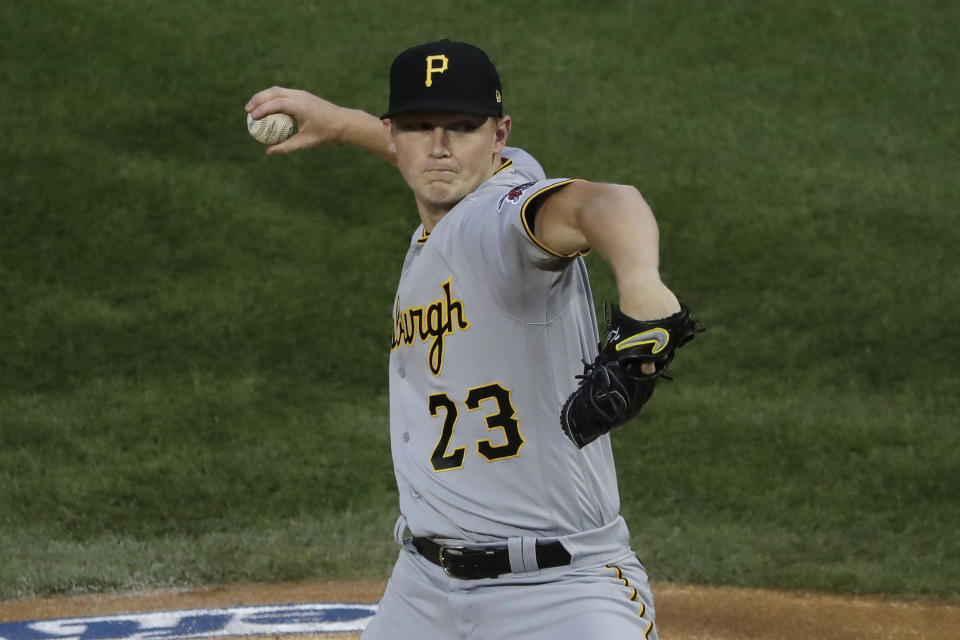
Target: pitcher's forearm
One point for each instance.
(364, 130)
(615, 221)
(622, 229)
(320, 122)
(644, 296)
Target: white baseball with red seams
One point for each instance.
(271, 129)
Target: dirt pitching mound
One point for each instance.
(683, 612)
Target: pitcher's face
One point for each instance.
(444, 156)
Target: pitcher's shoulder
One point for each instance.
(518, 163)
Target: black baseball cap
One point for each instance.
(444, 76)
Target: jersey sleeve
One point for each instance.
(499, 240)
(518, 209)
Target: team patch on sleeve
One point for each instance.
(513, 195)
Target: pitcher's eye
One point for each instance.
(466, 125)
(404, 124)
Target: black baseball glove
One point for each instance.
(614, 388)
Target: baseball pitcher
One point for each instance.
(501, 398)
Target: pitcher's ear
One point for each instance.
(503, 132)
(388, 131)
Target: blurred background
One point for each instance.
(193, 336)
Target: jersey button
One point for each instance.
(402, 372)
(406, 436)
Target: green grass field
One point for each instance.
(193, 336)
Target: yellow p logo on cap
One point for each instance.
(431, 69)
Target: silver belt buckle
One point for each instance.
(466, 563)
(453, 550)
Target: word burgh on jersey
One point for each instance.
(434, 320)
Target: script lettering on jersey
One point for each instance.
(434, 321)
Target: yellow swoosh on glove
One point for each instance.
(658, 337)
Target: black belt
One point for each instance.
(475, 562)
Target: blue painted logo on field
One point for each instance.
(199, 623)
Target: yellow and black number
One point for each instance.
(441, 460)
(505, 418)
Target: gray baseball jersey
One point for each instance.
(490, 330)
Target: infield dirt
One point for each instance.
(683, 612)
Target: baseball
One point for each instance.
(271, 129)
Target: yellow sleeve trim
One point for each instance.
(526, 226)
